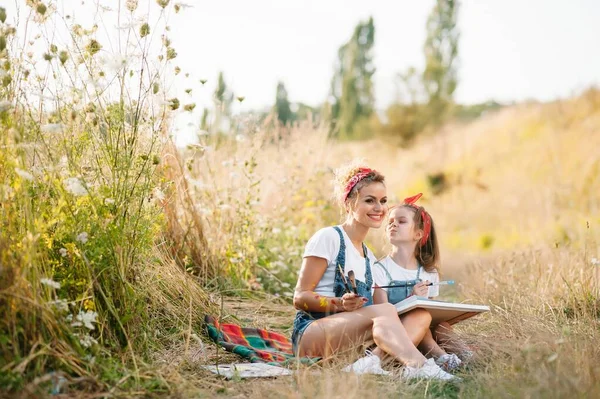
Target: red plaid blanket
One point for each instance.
(254, 344)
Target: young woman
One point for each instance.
(331, 319)
(412, 264)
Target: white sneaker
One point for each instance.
(448, 362)
(370, 364)
(429, 370)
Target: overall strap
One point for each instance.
(389, 276)
(419, 271)
(341, 256)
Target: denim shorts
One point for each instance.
(301, 323)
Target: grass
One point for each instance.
(114, 243)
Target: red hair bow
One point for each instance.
(410, 201)
(361, 174)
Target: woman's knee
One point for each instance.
(385, 309)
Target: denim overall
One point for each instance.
(402, 288)
(303, 318)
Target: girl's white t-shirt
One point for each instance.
(325, 244)
(397, 272)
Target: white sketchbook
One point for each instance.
(248, 370)
(441, 311)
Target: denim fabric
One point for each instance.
(304, 319)
(402, 288)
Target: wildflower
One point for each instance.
(50, 283)
(595, 262)
(61, 305)
(24, 174)
(131, 5)
(86, 341)
(158, 194)
(285, 285)
(109, 201)
(240, 138)
(5, 106)
(75, 186)
(276, 230)
(69, 318)
(234, 260)
(87, 319)
(52, 128)
(82, 237)
(63, 252)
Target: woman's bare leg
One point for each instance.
(340, 331)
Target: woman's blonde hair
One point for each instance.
(345, 173)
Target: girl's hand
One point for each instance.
(351, 301)
(421, 289)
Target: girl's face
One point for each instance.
(401, 226)
(370, 208)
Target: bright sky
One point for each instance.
(509, 49)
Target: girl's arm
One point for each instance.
(306, 299)
(379, 296)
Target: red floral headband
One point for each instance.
(410, 201)
(361, 174)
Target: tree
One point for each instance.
(351, 85)
(222, 98)
(282, 105)
(441, 51)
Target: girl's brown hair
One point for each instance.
(428, 254)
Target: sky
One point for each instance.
(509, 50)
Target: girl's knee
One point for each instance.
(421, 315)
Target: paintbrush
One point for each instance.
(449, 282)
(346, 285)
(352, 281)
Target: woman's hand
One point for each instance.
(421, 289)
(352, 302)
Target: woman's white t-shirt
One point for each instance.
(325, 244)
(397, 272)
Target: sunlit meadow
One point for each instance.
(114, 243)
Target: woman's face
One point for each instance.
(370, 208)
(401, 226)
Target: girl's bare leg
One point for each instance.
(416, 322)
(429, 347)
(448, 340)
(340, 331)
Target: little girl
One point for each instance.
(412, 264)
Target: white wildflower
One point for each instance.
(240, 138)
(63, 252)
(69, 318)
(109, 201)
(5, 106)
(158, 194)
(595, 262)
(50, 283)
(86, 340)
(82, 237)
(234, 260)
(61, 305)
(75, 186)
(87, 319)
(285, 285)
(52, 128)
(24, 174)
(276, 230)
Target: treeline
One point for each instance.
(425, 97)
